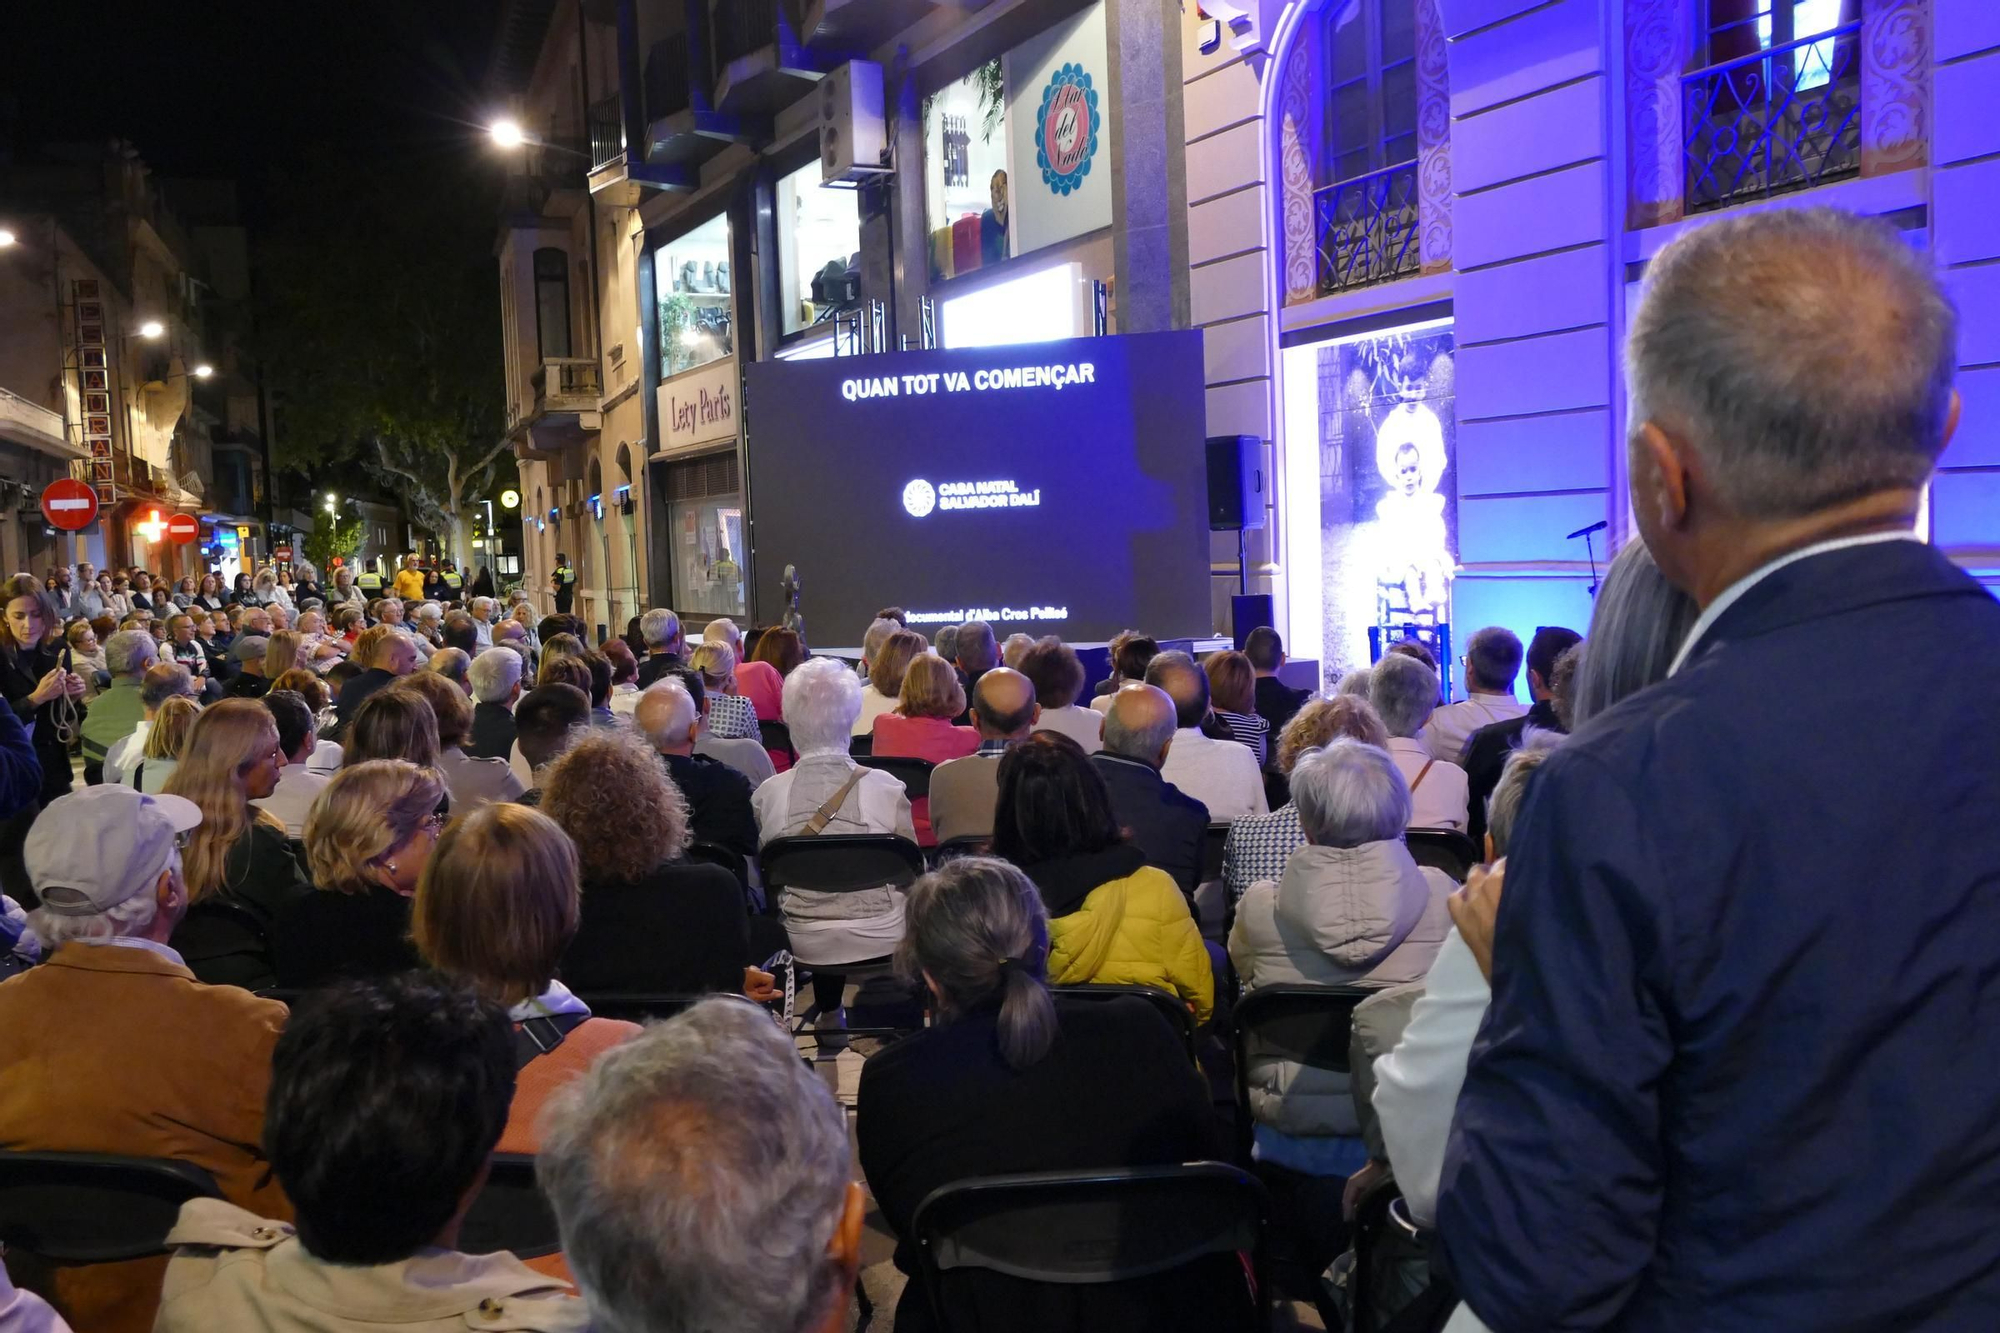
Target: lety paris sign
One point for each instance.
(699, 407)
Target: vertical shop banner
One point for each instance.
(1059, 132)
(1388, 484)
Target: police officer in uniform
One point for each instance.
(369, 580)
(454, 583)
(564, 584)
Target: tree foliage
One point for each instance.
(379, 310)
(332, 537)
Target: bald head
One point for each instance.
(1782, 426)
(1185, 683)
(666, 716)
(1003, 705)
(1140, 724)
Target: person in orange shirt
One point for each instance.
(410, 580)
(112, 1046)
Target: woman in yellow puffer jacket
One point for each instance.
(1113, 919)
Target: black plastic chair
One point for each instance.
(1308, 1025)
(840, 862)
(1169, 1006)
(1444, 849)
(1076, 1229)
(1211, 852)
(914, 773)
(510, 1213)
(715, 854)
(94, 1208)
(861, 746)
(777, 737)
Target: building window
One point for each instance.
(705, 529)
(1775, 104)
(1371, 104)
(1366, 211)
(552, 302)
(819, 248)
(692, 276)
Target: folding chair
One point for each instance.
(1308, 1025)
(1169, 1006)
(777, 738)
(93, 1208)
(843, 863)
(1174, 1239)
(1444, 849)
(510, 1213)
(915, 774)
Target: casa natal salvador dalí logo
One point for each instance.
(1066, 129)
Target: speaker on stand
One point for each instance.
(1236, 504)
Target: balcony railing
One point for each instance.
(667, 77)
(543, 167)
(741, 27)
(1774, 121)
(607, 131)
(567, 384)
(1367, 229)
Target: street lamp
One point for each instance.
(7, 237)
(203, 371)
(152, 328)
(507, 133)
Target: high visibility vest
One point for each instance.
(369, 582)
(565, 575)
(453, 580)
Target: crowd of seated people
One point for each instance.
(1561, 1067)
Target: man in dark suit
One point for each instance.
(1277, 702)
(1486, 750)
(387, 653)
(661, 631)
(1165, 823)
(496, 687)
(718, 797)
(1745, 959)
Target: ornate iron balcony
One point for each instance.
(1367, 228)
(1774, 121)
(607, 131)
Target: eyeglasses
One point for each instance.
(182, 839)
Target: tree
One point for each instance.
(382, 326)
(334, 536)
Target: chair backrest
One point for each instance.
(1211, 852)
(510, 1213)
(715, 854)
(777, 736)
(1307, 1025)
(914, 773)
(1078, 1228)
(840, 862)
(863, 744)
(1444, 849)
(94, 1208)
(1169, 1006)
(747, 757)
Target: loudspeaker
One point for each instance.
(1235, 483)
(853, 135)
(1248, 612)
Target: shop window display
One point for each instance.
(819, 245)
(705, 518)
(965, 133)
(693, 277)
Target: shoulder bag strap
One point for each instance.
(828, 808)
(538, 1036)
(1422, 773)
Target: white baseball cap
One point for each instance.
(95, 848)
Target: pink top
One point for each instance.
(932, 738)
(760, 683)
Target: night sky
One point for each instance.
(269, 94)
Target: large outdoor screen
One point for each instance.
(1052, 488)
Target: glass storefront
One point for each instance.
(819, 248)
(692, 275)
(705, 529)
(965, 172)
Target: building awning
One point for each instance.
(36, 427)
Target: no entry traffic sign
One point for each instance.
(69, 504)
(183, 528)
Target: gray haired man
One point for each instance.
(677, 1210)
(660, 629)
(117, 712)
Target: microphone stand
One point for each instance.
(1590, 549)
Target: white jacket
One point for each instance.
(1416, 1085)
(1341, 916)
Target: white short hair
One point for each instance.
(723, 631)
(482, 602)
(659, 627)
(430, 611)
(494, 674)
(877, 634)
(1350, 793)
(131, 917)
(678, 1211)
(1404, 692)
(1503, 807)
(129, 652)
(822, 697)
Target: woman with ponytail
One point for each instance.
(1012, 1078)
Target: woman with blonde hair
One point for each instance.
(729, 715)
(469, 782)
(39, 691)
(284, 652)
(496, 907)
(392, 724)
(241, 876)
(368, 839)
(653, 920)
(166, 741)
(885, 676)
(921, 725)
(1258, 846)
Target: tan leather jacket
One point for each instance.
(233, 1269)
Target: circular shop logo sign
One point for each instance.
(919, 498)
(1066, 129)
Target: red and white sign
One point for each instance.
(69, 504)
(281, 553)
(183, 528)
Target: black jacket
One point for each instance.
(1486, 752)
(20, 673)
(232, 945)
(683, 928)
(718, 800)
(1065, 881)
(1276, 703)
(355, 692)
(1116, 1090)
(492, 732)
(326, 935)
(652, 667)
(1161, 820)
